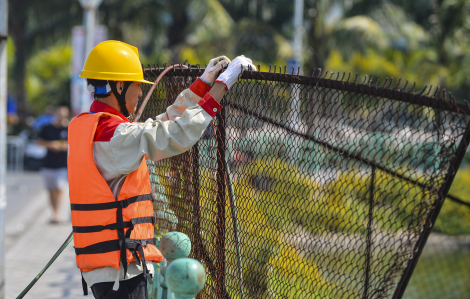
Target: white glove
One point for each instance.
(235, 68)
(213, 68)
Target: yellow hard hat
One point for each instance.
(114, 60)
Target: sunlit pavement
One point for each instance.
(32, 241)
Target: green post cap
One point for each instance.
(175, 245)
(185, 278)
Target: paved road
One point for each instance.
(20, 187)
(26, 200)
(31, 242)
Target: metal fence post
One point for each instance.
(195, 201)
(369, 234)
(220, 222)
(233, 209)
(195, 206)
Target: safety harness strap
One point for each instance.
(102, 247)
(84, 286)
(111, 205)
(98, 228)
(114, 245)
(109, 246)
(122, 239)
(121, 97)
(137, 245)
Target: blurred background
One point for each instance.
(424, 41)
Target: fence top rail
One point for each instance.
(403, 93)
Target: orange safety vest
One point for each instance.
(107, 231)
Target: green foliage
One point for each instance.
(210, 22)
(269, 204)
(262, 215)
(419, 66)
(447, 281)
(397, 204)
(428, 45)
(454, 218)
(44, 23)
(370, 63)
(10, 60)
(279, 191)
(155, 57)
(292, 272)
(48, 78)
(139, 23)
(260, 41)
(10, 53)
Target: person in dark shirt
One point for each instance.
(54, 138)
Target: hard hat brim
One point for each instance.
(115, 79)
(145, 81)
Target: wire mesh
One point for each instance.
(309, 187)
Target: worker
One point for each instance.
(110, 192)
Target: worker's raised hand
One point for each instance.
(235, 68)
(213, 68)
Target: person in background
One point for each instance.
(54, 137)
(44, 119)
(12, 112)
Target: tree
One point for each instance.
(34, 25)
(252, 28)
(431, 36)
(137, 22)
(421, 39)
(48, 78)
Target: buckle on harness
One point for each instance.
(135, 246)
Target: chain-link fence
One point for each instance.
(310, 187)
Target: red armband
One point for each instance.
(200, 88)
(210, 105)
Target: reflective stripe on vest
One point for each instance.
(107, 231)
